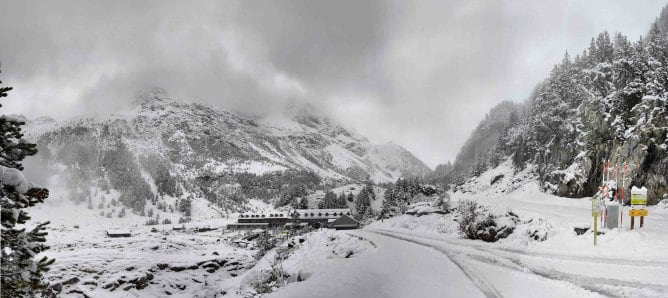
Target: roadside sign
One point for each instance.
(638, 212)
(595, 206)
(638, 196)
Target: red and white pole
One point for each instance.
(621, 215)
(617, 183)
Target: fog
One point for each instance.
(421, 74)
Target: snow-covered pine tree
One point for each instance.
(362, 204)
(390, 202)
(186, 206)
(341, 201)
(21, 273)
(369, 188)
(303, 203)
(604, 47)
(329, 201)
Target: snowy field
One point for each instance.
(425, 256)
(404, 256)
(158, 263)
(625, 263)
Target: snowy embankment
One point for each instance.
(297, 261)
(391, 268)
(624, 263)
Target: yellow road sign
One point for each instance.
(638, 212)
(638, 200)
(638, 196)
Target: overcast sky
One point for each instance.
(419, 73)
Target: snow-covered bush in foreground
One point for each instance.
(443, 203)
(477, 222)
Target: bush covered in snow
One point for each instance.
(263, 244)
(537, 230)
(268, 280)
(477, 222)
(443, 203)
(662, 206)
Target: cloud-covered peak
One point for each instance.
(151, 95)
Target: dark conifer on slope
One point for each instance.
(21, 274)
(609, 102)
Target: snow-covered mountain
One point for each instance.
(163, 146)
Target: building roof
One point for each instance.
(249, 224)
(117, 232)
(344, 210)
(321, 213)
(345, 221)
(264, 215)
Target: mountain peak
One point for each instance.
(151, 95)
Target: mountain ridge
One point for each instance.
(190, 148)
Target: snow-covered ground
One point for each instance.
(148, 264)
(299, 259)
(626, 263)
(404, 256)
(394, 268)
(425, 256)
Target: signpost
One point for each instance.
(612, 175)
(595, 208)
(638, 203)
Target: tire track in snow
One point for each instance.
(485, 287)
(638, 263)
(598, 285)
(588, 259)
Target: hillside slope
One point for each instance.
(607, 103)
(165, 147)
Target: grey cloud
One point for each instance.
(328, 45)
(421, 74)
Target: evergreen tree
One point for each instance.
(329, 201)
(656, 43)
(341, 201)
(622, 48)
(604, 47)
(186, 206)
(592, 59)
(21, 273)
(362, 204)
(369, 189)
(303, 203)
(390, 202)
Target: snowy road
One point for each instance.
(397, 268)
(511, 273)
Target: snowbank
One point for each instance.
(318, 248)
